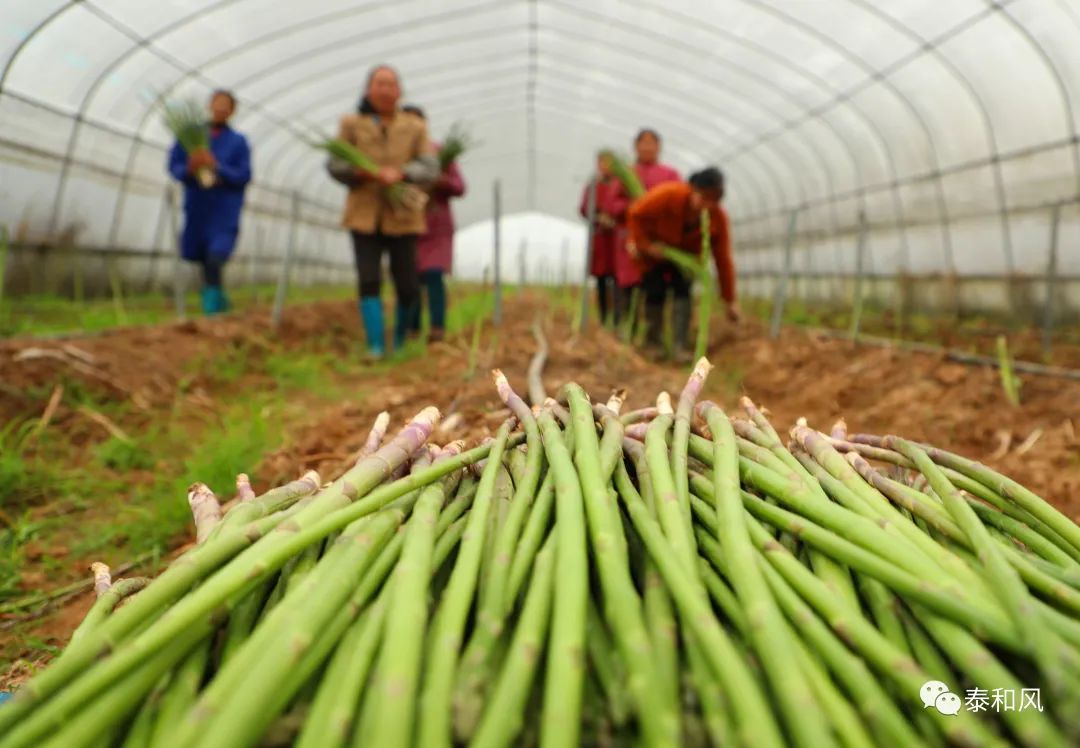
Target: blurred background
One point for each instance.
(939, 137)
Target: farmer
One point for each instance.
(212, 214)
(651, 173)
(670, 215)
(378, 220)
(435, 248)
(602, 266)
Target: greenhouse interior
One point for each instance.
(539, 372)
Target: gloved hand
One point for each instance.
(734, 314)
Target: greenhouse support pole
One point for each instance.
(860, 264)
(590, 229)
(522, 273)
(781, 286)
(564, 255)
(1051, 280)
(496, 317)
(179, 277)
(3, 259)
(286, 263)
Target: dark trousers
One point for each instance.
(212, 271)
(605, 298)
(660, 279)
(434, 285)
(368, 250)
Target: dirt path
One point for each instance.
(878, 390)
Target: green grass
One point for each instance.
(150, 516)
(124, 454)
(23, 479)
(298, 372)
(47, 314)
(135, 489)
(13, 541)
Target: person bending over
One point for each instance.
(670, 215)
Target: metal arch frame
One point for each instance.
(994, 5)
(745, 73)
(668, 41)
(112, 130)
(91, 93)
(272, 68)
(138, 138)
(976, 97)
(197, 74)
(566, 94)
(886, 149)
(1055, 74)
(618, 105)
(554, 110)
(344, 41)
(873, 75)
(324, 101)
(881, 76)
(64, 8)
(139, 42)
(552, 71)
(530, 102)
(350, 66)
(870, 123)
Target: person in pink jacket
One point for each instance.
(651, 172)
(435, 248)
(602, 266)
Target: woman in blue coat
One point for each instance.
(212, 215)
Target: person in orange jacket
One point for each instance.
(669, 214)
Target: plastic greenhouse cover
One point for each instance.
(951, 126)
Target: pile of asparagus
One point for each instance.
(666, 576)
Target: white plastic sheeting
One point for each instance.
(952, 126)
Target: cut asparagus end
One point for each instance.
(102, 578)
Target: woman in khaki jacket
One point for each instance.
(398, 142)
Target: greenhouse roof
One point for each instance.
(917, 112)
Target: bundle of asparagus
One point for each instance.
(186, 120)
(400, 194)
(667, 576)
(457, 141)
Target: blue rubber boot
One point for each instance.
(371, 312)
(213, 300)
(403, 323)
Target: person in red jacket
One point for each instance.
(602, 266)
(651, 172)
(670, 215)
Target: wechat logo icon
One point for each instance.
(936, 695)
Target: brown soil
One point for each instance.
(878, 390)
